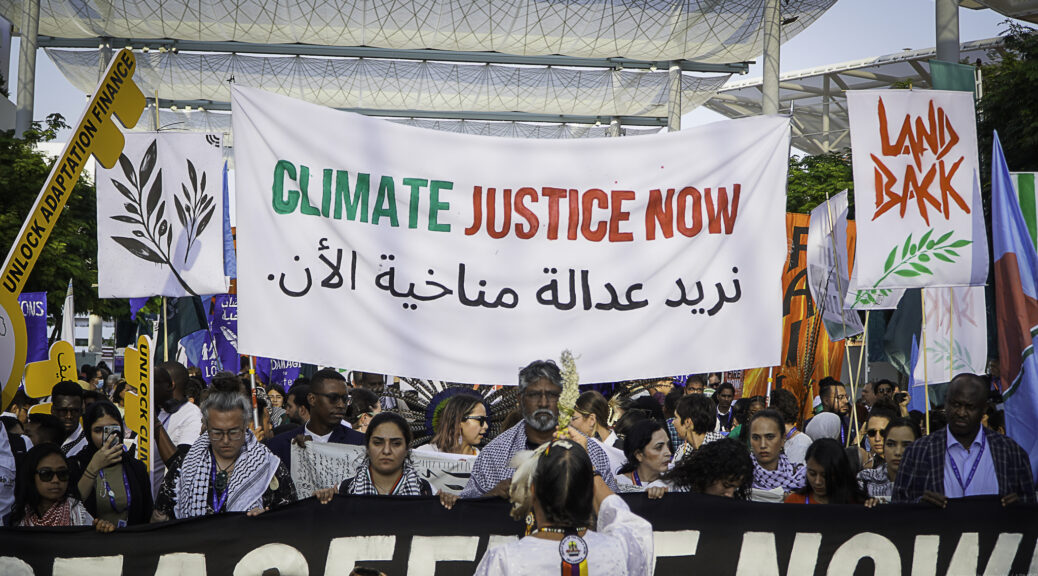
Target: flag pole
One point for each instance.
(252, 381)
(926, 377)
(951, 335)
(165, 332)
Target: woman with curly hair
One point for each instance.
(719, 468)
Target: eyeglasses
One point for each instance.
(877, 432)
(335, 398)
(549, 395)
(232, 434)
(481, 419)
(48, 474)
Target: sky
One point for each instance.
(850, 30)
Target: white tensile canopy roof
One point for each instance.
(385, 85)
(817, 98)
(712, 31)
(1021, 9)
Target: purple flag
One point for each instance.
(201, 352)
(135, 306)
(223, 321)
(34, 308)
(281, 372)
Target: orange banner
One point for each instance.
(807, 354)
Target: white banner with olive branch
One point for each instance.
(159, 214)
(917, 189)
(956, 334)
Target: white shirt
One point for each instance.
(7, 473)
(624, 484)
(315, 437)
(796, 448)
(184, 427)
(622, 546)
(431, 448)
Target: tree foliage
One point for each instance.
(1009, 102)
(812, 177)
(71, 250)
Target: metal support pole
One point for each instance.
(826, 139)
(30, 29)
(614, 127)
(674, 98)
(947, 30)
(772, 43)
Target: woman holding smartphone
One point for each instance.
(112, 484)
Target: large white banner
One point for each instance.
(827, 267)
(916, 189)
(398, 250)
(956, 334)
(159, 218)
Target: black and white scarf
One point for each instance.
(409, 485)
(787, 476)
(253, 470)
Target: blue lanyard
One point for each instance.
(791, 432)
(976, 464)
(637, 481)
(217, 503)
(111, 493)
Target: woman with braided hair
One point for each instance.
(565, 494)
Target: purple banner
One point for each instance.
(223, 321)
(281, 372)
(201, 352)
(34, 308)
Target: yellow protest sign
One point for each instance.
(40, 377)
(96, 134)
(40, 408)
(139, 401)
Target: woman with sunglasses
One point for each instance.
(44, 493)
(113, 484)
(460, 427)
(869, 454)
(879, 481)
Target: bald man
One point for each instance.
(964, 458)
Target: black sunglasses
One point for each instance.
(481, 419)
(47, 474)
(335, 398)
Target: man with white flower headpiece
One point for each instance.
(540, 386)
(564, 492)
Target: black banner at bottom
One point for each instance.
(417, 537)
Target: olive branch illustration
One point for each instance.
(915, 256)
(870, 296)
(153, 237)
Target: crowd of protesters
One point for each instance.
(73, 464)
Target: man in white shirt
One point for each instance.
(67, 404)
(179, 419)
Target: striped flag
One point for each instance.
(1016, 307)
(1023, 183)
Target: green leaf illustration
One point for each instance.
(914, 256)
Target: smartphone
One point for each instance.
(112, 435)
(900, 397)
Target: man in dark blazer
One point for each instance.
(329, 399)
(964, 459)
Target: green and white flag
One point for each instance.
(1023, 183)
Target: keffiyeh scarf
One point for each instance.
(409, 485)
(59, 514)
(250, 478)
(786, 476)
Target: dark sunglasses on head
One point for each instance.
(48, 474)
(481, 419)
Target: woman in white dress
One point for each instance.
(591, 418)
(564, 494)
(647, 447)
(460, 427)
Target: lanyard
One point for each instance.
(791, 432)
(976, 464)
(728, 418)
(111, 493)
(637, 480)
(218, 503)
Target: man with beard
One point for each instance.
(67, 404)
(540, 385)
(328, 399)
